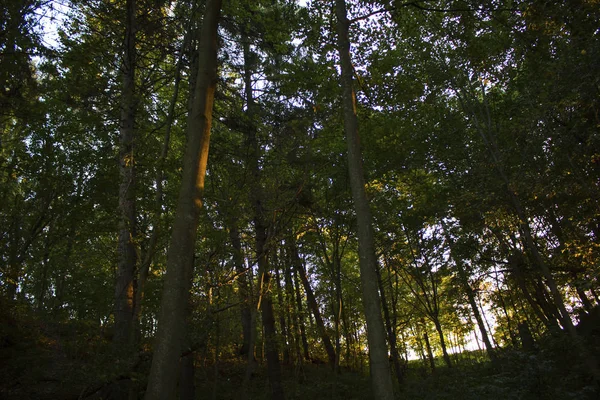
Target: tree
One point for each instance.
(162, 382)
(127, 252)
(380, 369)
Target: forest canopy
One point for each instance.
(299, 199)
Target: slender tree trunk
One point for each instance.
(348, 337)
(250, 357)
(380, 367)
(480, 323)
(158, 198)
(515, 262)
(464, 280)
(339, 304)
(509, 322)
(282, 322)
(14, 269)
(314, 306)
(301, 319)
(429, 351)
(438, 328)
(244, 292)
(43, 286)
(127, 253)
(260, 229)
(270, 341)
(291, 314)
(162, 381)
(557, 229)
(486, 131)
(390, 331)
(20, 240)
(543, 299)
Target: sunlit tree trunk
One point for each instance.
(162, 380)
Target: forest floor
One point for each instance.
(50, 360)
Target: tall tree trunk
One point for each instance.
(127, 253)
(314, 306)
(162, 381)
(380, 367)
(260, 229)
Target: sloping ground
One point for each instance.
(40, 360)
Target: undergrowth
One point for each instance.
(72, 360)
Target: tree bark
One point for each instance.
(127, 253)
(380, 368)
(162, 381)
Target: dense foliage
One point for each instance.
(480, 136)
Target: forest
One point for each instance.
(284, 199)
